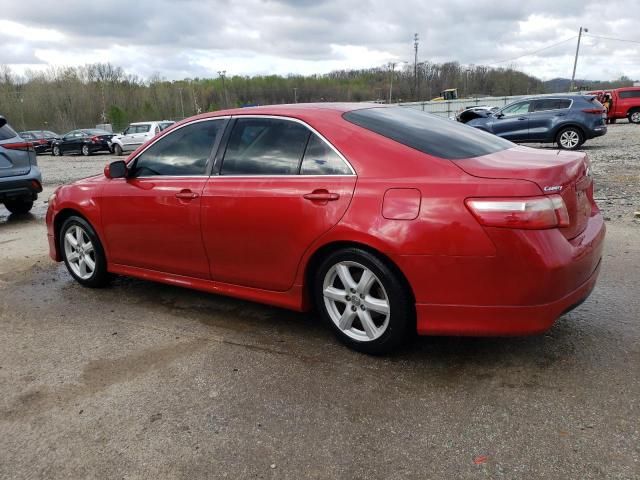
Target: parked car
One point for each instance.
(40, 139)
(20, 178)
(568, 120)
(469, 113)
(625, 103)
(136, 134)
(387, 219)
(85, 141)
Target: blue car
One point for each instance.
(568, 120)
(20, 178)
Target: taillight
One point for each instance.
(597, 111)
(528, 213)
(95, 139)
(24, 146)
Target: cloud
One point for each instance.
(188, 38)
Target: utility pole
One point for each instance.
(222, 74)
(575, 62)
(392, 67)
(181, 102)
(415, 65)
(295, 94)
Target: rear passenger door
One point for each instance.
(276, 188)
(545, 115)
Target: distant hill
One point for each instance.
(560, 85)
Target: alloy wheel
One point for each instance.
(569, 139)
(79, 252)
(56, 151)
(356, 301)
(635, 117)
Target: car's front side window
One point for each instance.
(184, 152)
(265, 146)
(517, 109)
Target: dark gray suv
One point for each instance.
(568, 120)
(20, 178)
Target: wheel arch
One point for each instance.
(59, 220)
(576, 125)
(316, 258)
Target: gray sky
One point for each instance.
(184, 38)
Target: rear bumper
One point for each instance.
(465, 320)
(597, 131)
(534, 277)
(28, 185)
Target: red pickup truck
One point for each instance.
(626, 103)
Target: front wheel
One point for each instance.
(83, 253)
(634, 117)
(19, 207)
(117, 149)
(570, 138)
(364, 301)
(86, 151)
(56, 151)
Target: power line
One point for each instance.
(534, 52)
(611, 38)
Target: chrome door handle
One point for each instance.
(186, 195)
(321, 196)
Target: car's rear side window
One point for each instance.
(551, 104)
(265, 146)
(7, 132)
(320, 159)
(630, 94)
(428, 133)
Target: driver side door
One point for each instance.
(513, 124)
(151, 219)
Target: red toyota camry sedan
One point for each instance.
(387, 220)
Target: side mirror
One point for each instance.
(499, 114)
(3, 121)
(117, 169)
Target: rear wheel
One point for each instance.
(634, 116)
(364, 301)
(570, 138)
(86, 151)
(117, 149)
(83, 253)
(19, 206)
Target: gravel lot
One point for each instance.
(142, 380)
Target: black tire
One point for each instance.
(86, 151)
(401, 317)
(117, 150)
(55, 151)
(19, 206)
(570, 133)
(100, 277)
(634, 116)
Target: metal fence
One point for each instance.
(449, 108)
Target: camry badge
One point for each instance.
(555, 188)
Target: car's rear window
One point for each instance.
(7, 132)
(427, 133)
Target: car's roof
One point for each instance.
(296, 110)
(151, 121)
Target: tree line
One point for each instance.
(65, 98)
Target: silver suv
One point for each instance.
(136, 134)
(20, 178)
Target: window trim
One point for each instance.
(218, 160)
(214, 150)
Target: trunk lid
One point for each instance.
(560, 172)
